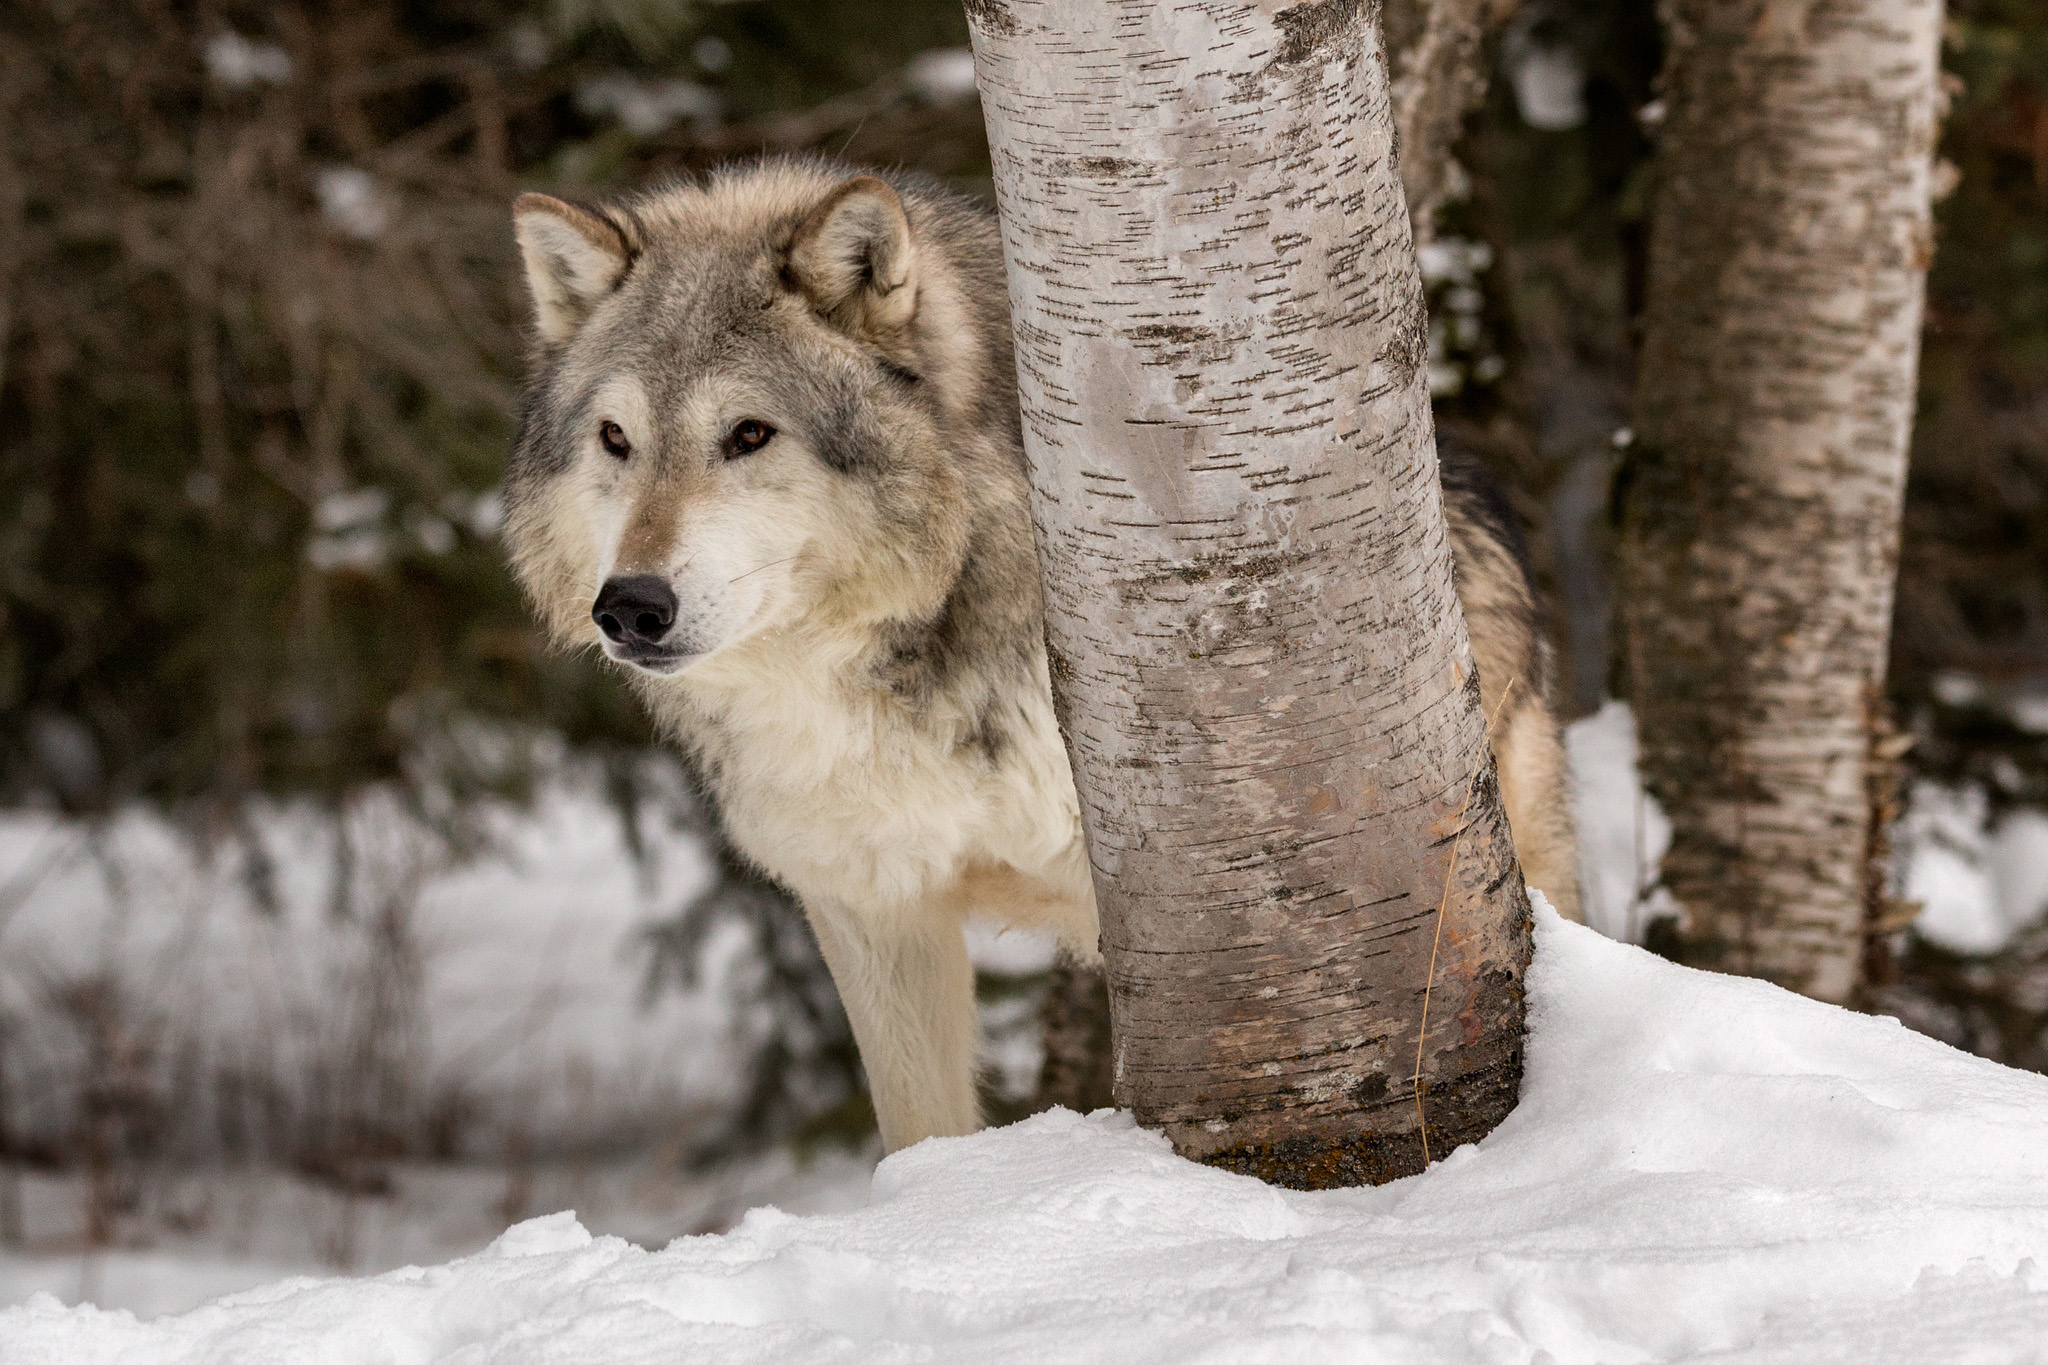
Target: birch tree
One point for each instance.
(1436, 61)
(1313, 926)
(1789, 241)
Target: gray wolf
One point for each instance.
(771, 463)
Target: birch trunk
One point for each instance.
(1790, 236)
(1435, 55)
(1263, 674)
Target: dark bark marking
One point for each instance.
(993, 16)
(1091, 167)
(1308, 28)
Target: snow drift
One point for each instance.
(1701, 1167)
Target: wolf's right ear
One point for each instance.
(854, 260)
(573, 259)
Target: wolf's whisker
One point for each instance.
(757, 568)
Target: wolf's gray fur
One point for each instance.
(840, 621)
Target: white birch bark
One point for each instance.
(1790, 235)
(1263, 673)
(1436, 57)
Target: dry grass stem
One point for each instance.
(1450, 871)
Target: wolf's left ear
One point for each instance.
(854, 260)
(573, 259)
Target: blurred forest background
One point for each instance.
(261, 334)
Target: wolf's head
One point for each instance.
(756, 404)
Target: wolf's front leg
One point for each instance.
(909, 991)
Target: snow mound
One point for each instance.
(1701, 1167)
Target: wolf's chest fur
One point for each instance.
(851, 792)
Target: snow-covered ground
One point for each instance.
(1978, 880)
(529, 1010)
(1622, 834)
(1701, 1168)
(210, 1232)
(522, 1013)
(523, 979)
(521, 970)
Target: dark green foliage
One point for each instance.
(249, 444)
(261, 327)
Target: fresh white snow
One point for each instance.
(530, 1005)
(1622, 831)
(1702, 1167)
(530, 962)
(527, 1015)
(1979, 881)
(215, 1232)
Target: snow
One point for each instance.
(1008, 952)
(530, 1019)
(1548, 80)
(942, 76)
(1700, 1164)
(224, 1231)
(1979, 881)
(237, 62)
(1622, 831)
(1701, 1167)
(1454, 260)
(645, 107)
(530, 970)
(348, 526)
(352, 200)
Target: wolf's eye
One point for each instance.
(748, 437)
(613, 437)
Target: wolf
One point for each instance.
(771, 463)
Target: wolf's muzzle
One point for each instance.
(635, 613)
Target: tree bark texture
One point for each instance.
(1078, 1049)
(1789, 241)
(1263, 674)
(1436, 54)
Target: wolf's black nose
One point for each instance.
(637, 610)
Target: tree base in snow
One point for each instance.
(1463, 1111)
(1702, 1167)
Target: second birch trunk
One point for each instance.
(1789, 242)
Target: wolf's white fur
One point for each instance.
(891, 842)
